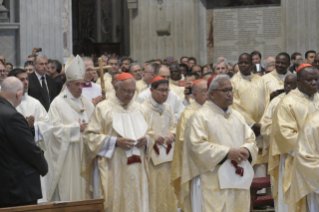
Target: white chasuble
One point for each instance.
(66, 145)
(42, 129)
(123, 186)
(210, 133)
(161, 121)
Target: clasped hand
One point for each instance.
(238, 155)
(161, 141)
(127, 144)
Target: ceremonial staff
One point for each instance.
(101, 69)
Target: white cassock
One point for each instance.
(92, 90)
(65, 147)
(173, 100)
(42, 129)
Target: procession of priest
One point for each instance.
(163, 136)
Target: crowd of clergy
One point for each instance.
(167, 136)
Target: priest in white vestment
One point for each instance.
(69, 113)
(90, 89)
(173, 100)
(115, 146)
(218, 155)
(162, 125)
(37, 118)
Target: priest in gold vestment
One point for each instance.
(115, 166)
(216, 134)
(176, 77)
(69, 113)
(290, 116)
(275, 80)
(162, 124)
(251, 98)
(290, 83)
(149, 75)
(199, 91)
(304, 191)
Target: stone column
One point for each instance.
(300, 24)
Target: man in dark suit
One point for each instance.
(41, 86)
(21, 161)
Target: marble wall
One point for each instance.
(45, 24)
(187, 29)
(300, 25)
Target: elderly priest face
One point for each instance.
(221, 92)
(125, 89)
(75, 87)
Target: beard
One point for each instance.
(124, 69)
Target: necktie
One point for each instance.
(46, 94)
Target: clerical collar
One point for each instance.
(246, 76)
(119, 100)
(155, 104)
(25, 95)
(225, 112)
(198, 104)
(281, 76)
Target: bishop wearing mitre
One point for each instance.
(218, 154)
(69, 113)
(37, 118)
(161, 121)
(115, 146)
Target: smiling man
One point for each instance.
(289, 118)
(250, 100)
(215, 134)
(69, 114)
(275, 79)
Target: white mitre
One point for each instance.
(74, 68)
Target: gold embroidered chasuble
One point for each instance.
(274, 81)
(161, 193)
(173, 85)
(288, 119)
(266, 123)
(140, 86)
(123, 187)
(176, 170)
(305, 170)
(210, 133)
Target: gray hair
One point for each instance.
(133, 64)
(56, 64)
(11, 85)
(219, 62)
(214, 85)
(37, 56)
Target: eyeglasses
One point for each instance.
(162, 90)
(226, 91)
(128, 92)
(2, 71)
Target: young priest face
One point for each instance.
(160, 92)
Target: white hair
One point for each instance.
(214, 85)
(11, 85)
(132, 65)
(118, 83)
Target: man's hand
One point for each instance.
(82, 125)
(244, 151)
(125, 143)
(35, 50)
(30, 120)
(170, 138)
(96, 100)
(236, 155)
(256, 129)
(159, 140)
(273, 95)
(141, 142)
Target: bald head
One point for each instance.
(12, 90)
(199, 91)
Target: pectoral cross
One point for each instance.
(101, 68)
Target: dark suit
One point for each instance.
(36, 91)
(21, 161)
(59, 82)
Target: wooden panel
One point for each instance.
(94, 205)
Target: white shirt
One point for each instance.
(92, 92)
